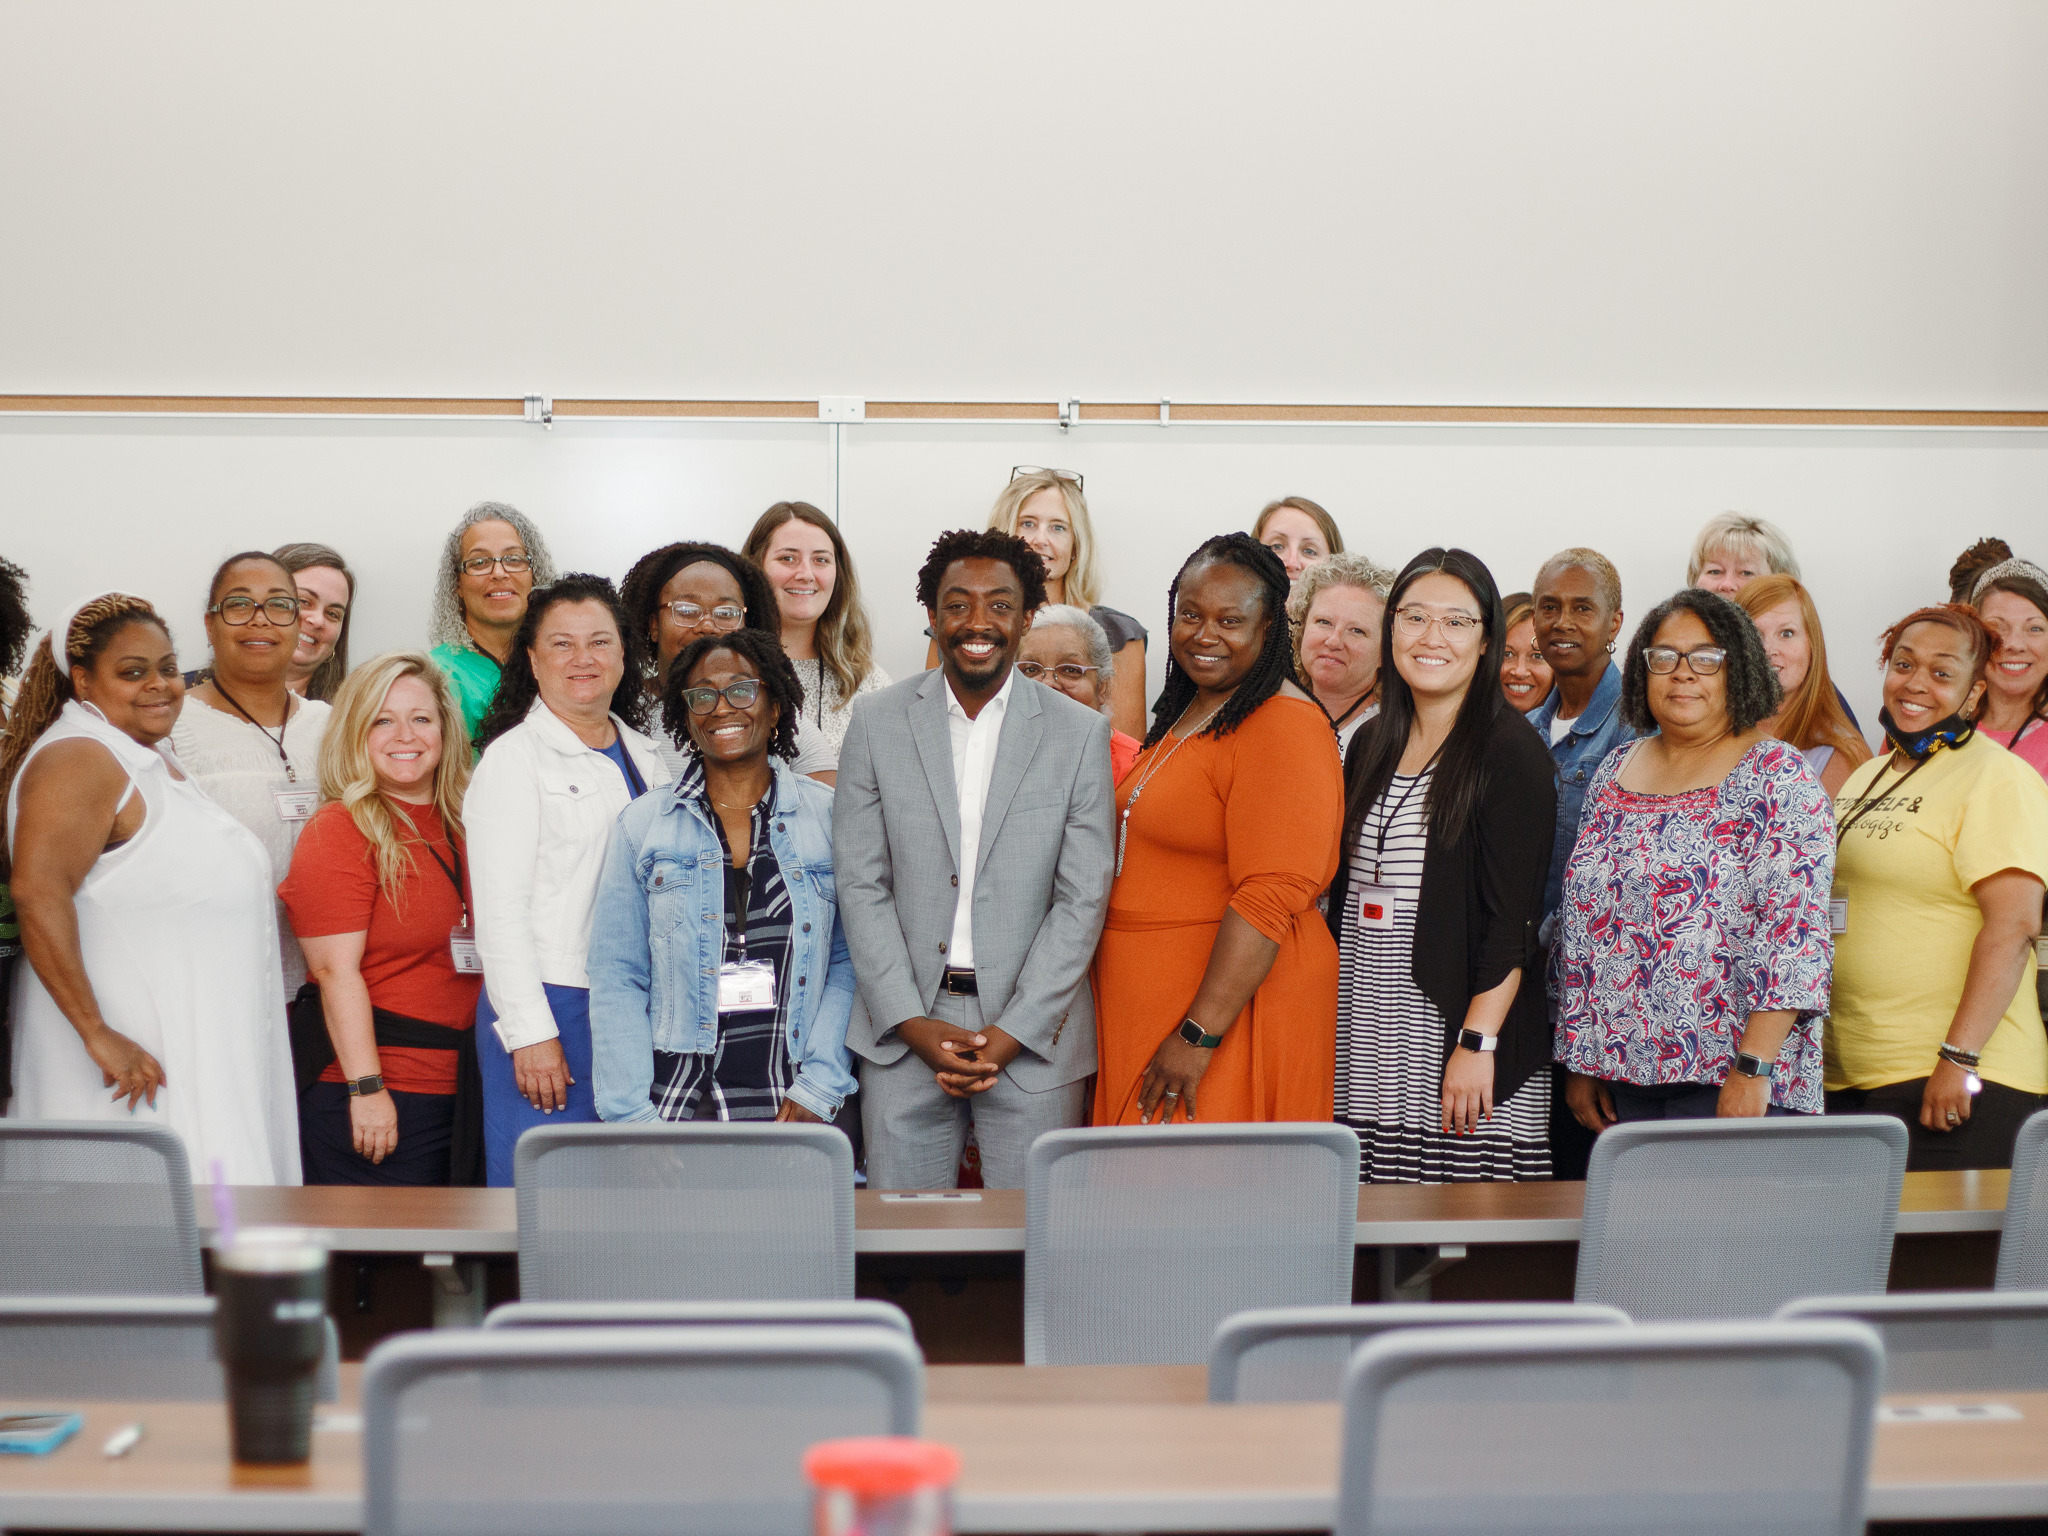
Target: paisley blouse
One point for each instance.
(1684, 914)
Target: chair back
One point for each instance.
(1298, 1354)
(1950, 1341)
(710, 1211)
(1140, 1240)
(1690, 1219)
(93, 1209)
(619, 1431)
(1682, 1429)
(700, 1314)
(134, 1348)
(2023, 1250)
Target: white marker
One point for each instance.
(122, 1441)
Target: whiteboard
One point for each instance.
(151, 505)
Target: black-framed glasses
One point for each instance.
(740, 694)
(1066, 671)
(480, 565)
(690, 615)
(1071, 476)
(281, 611)
(1704, 662)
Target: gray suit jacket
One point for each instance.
(1041, 883)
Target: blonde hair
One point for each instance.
(1082, 585)
(347, 774)
(1811, 715)
(1349, 569)
(1733, 533)
(1332, 535)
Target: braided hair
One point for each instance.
(771, 665)
(47, 687)
(1275, 664)
(518, 687)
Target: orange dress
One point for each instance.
(1249, 823)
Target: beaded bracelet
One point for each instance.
(1956, 1056)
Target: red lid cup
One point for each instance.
(881, 1466)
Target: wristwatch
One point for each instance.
(361, 1087)
(1750, 1066)
(1191, 1032)
(1472, 1040)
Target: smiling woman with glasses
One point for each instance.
(1693, 957)
(1069, 652)
(494, 557)
(741, 1016)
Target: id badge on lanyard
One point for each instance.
(1838, 915)
(295, 805)
(462, 950)
(746, 986)
(1376, 905)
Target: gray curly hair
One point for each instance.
(1347, 569)
(445, 626)
(1093, 636)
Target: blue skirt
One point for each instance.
(507, 1113)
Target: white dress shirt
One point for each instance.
(974, 764)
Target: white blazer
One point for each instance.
(539, 816)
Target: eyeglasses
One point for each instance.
(238, 611)
(1414, 623)
(740, 695)
(480, 565)
(1066, 671)
(1704, 662)
(1072, 477)
(689, 615)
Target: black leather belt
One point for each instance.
(958, 982)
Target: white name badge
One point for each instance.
(296, 804)
(2040, 951)
(745, 986)
(1376, 906)
(1838, 915)
(462, 950)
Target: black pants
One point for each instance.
(1982, 1141)
(426, 1126)
(1670, 1101)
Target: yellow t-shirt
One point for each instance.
(1906, 868)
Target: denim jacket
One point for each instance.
(657, 937)
(1597, 731)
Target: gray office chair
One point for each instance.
(1140, 1240)
(1298, 1354)
(619, 1431)
(92, 1209)
(693, 1212)
(678, 1314)
(141, 1349)
(2023, 1250)
(1684, 1429)
(1734, 1218)
(1949, 1341)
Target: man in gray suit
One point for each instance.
(971, 844)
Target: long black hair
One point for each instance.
(1275, 664)
(1460, 777)
(771, 665)
(518, 687)
(640, 593)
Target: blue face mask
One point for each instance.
(1919, 745)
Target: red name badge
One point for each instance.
(1376, 906)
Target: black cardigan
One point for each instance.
(1482, 899)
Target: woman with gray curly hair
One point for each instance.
(493, 557)
(1068, 651)
(1692, 962)
(1335, 612)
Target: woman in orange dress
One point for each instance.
(1216, 979)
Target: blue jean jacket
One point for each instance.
(657, 937)
(1596, 732)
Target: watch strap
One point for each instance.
(361, 1087)
(1473, 1040)
(1750, 1066)
(1193, 1033)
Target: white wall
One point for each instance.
(1597, 202)
(154, 505)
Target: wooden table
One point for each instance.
(1044, 1449)
(484, 1221)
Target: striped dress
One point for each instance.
(1390, 1036)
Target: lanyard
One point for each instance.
(291, 775)
(1877, 793)
(635, 785)
(1379, 852)
(453, 872)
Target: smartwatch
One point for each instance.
(361, 1087)
(1750, 1066)
(1191, 1032)
(1472, 1040)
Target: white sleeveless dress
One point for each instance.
(178, 929)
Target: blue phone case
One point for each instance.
(38, 1442)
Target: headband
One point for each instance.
(59, 636)
(2025, 568)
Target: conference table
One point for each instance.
(1043, 1449)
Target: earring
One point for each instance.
(1610, 647)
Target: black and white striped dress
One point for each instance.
(1390, 1036)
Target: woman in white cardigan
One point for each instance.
(562, 756)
